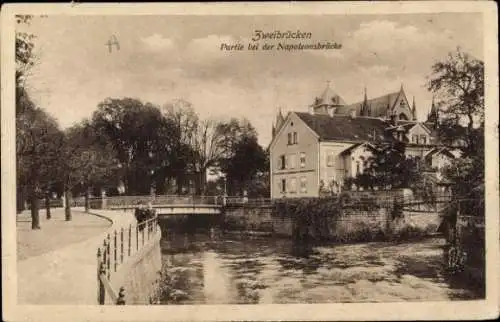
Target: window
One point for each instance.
(414, 139)
(291, 161)
(283, 185)
(289, 138)
(294, 137)
(303, 184)
(423, 139)
(282, 162)
(302, 160)
(293, 185)
(357, 168)
(330, 159)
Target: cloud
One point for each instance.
(157, 43)
(383, 42)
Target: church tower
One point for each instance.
(413, 110)
(365, 109)
(433, 116)
(280, 120)
(327, 102)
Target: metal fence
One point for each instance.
(127, 201)
(116, 248)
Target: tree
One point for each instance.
(141, 137)
(90, 161)
(185, 124)
(38, 151)
(458, 82)
(243, 157)
(207, 150)
(25, 58)
(388, 167)
(38, 138)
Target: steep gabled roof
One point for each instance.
(379, 105)
(444, 151)
(358, 145)
(344, 127)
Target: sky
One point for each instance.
(164, 58)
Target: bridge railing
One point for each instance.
(130, 201)
(185, 200)
(126, 202)
(230, 201)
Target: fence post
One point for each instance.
(104, 252)
(108, 256)
(121, 245)
(115, 251)
(129, 240)
(137, 237)
(121, 297)
(143, 235)
(99, 284)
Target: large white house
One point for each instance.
(331, 142)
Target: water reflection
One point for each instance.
(211, 268)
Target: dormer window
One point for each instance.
(402, 103)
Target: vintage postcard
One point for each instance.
(250, 161)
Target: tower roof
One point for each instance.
(329, 97)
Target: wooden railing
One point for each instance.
(116, 248)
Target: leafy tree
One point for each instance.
(233, 131)
(141, 137)
(389, 167)
(90, 161)
(38, 138)
(25, 58)
(458, 82)
(38, 150)
(185, 127)
(246, 161)
(259, 185)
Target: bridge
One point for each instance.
(178, 209)
(169, 205)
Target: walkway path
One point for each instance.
(66, 275)
(56, 232)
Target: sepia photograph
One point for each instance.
(183, 160)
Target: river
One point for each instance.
(203, 269)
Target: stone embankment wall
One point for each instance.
(139, 274)
(130, 258)
(351, 225)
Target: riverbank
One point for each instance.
(66, 274)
